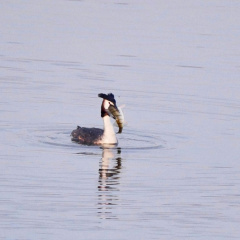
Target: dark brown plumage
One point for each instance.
(88, 136)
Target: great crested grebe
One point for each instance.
(97, 136)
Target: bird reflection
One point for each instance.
(109, 179)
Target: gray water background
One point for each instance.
(176, 171)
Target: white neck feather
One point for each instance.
(109, 136)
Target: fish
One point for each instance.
(117, 114)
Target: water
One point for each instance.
(175, 173)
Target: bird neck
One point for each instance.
(109, 135)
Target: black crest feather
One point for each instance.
(109, 97)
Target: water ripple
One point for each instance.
(60, 138)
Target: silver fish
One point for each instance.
(118, 116)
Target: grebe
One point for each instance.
(97, 136)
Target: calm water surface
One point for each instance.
(175, 173)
